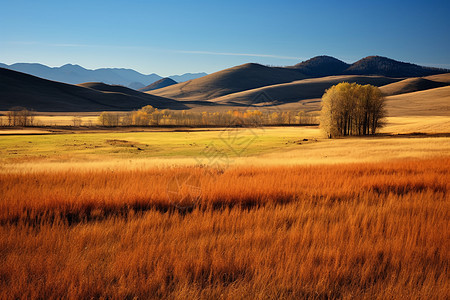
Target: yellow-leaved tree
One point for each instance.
(352, 109)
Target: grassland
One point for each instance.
(148, 213)
(275, 145)
(377, 230)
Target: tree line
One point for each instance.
(150, 116)
(19, 116)
(352, 109)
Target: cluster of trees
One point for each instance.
(352, 109)
(19, 116)
(150, 116)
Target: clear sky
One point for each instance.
(173, 37)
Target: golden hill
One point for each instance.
(411, 85)
(232, 80)
(298, 90)
(434, 102)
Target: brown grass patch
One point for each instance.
(338, 231)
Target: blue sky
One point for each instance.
(173, 37)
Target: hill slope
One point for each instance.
(440, 78)
(383, 66)
(232, 80)
(411, 85)
(372, 65)
(19, 89)
(433, 102)
(252, 76)
(158, 84)
(299, 90)
(321, 66)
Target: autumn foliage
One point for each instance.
(248, 116)
(377, 230)
(352, 109)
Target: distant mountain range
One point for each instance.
(75, 74)
(300, 85)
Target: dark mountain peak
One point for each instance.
(378, 61)
(320, 59)
(379, 65)
(158, 84)
(322, 65)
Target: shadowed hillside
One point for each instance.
(75, 74)
(440, 78)
(321, 66)
(236, 79)
(411, 85)
(383, 66)
(300, 90)
(103, 87)
(238, 86)
(19, 89)
(158, 84)
(252, 76)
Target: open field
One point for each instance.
(187, 150)
(141, 148)
(281, 213)
(334, 231)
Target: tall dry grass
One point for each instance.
(338, 231)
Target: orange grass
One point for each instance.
(376, 230)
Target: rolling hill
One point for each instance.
(445, 78)
(239, 86)
(158, 84)
(252, 76)
(321, 66)
(383, 66)
(232, 80)
(299, 90)
(19, 89)
(411, 85)
(432, 102)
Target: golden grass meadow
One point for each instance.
(361, 228)
(227, 150)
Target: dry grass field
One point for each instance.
(197, 150)
(138, 213)
(378, 230)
